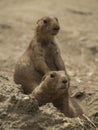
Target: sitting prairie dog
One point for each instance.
(54, 88)
(41, 56)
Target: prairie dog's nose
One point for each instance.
(56, 28)
(64, 81)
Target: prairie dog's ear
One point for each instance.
(44, 20)
(38, 21)
(43, 78)
(56, 19)
(41, 21)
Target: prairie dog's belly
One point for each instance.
(50, 58)
(50, 62)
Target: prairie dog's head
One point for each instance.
(48, 26)
(55, 82)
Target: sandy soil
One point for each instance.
(78, 41)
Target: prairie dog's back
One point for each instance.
(76, 107)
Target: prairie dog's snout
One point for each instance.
(63, 82)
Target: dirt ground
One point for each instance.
(78, 42)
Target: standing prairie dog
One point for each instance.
(54, 88)
(41, 56)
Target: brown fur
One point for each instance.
(54, 88)
(40, 57)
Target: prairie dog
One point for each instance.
(54, 88)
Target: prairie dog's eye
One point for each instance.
(52, 75)
(45, 21)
